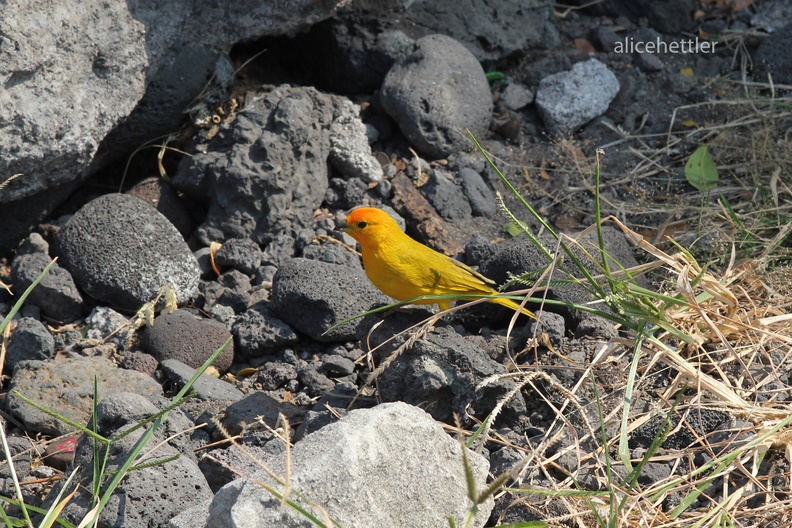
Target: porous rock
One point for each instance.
(49, 138)
(313, 296)
(182, 336)
(441, 373)
(266, 171)
(122, 251)
(435, 94)
(107, 76)
(258, 332)
(149, 495)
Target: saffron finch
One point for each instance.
(403, 268)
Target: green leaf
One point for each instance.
(513, 229)
(701, 171)
(496, 76)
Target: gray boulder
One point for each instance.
(436, 93)
(390, 466)
(103, 79)
(312, 296)
(266, 172)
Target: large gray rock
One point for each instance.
(312, 296)
(122, 251)
(66, 386)
(568, 100)
(436, 93)
(266, 172)
(89, 82)
(69, 74)
(390, 466)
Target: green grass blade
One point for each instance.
(144, 439)
(18, 304)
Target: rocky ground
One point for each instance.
(226, 229)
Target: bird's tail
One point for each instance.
(508, 303)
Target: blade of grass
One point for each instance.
(18, 303)
(17, 489)
(144, 439)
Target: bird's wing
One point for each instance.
(452, 276)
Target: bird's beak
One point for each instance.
(343, 228)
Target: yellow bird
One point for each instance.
(403, 268)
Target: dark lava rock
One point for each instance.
(314, 382)
(595, 326)
(258, 332)
(336, 365)
(56, 295)
(697, 426)
(275, 374)
(773, 57)
(446, 197)
(240, 253)
(161, 195)
(312, 296)
(182, 336)
(231, 289)
(29, 340)
(440, 373)
(669, 16)
(148, 496)
(122, 251)
(266, 171)
(436, 93)
(548, 323)
(481, 198)
(127, 408)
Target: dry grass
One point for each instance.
(736, 363)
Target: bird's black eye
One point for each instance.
(361, 224)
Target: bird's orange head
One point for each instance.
(371, 226)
